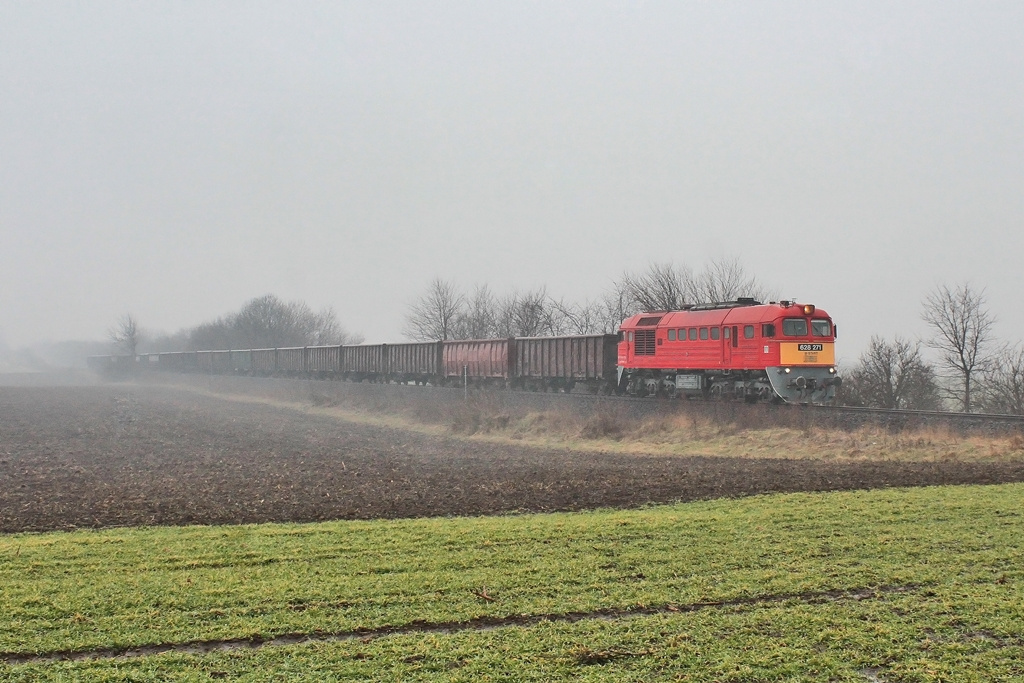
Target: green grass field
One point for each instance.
(932, 579)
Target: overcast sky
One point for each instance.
(177, 159)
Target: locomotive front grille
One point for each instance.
(644, 345)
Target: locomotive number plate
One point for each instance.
(801, 353)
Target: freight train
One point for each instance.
(738, 350)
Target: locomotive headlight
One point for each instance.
(787, 371)
(832, 371)
(808, 309)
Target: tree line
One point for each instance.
(971, 370)
(445, 311)
(262, 322)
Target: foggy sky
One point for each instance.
(174, 160)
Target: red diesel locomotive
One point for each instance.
(737, 350)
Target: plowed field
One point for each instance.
(125, 455)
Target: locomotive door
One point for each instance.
(727, 335)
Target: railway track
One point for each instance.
(748, 415)
(850, 416)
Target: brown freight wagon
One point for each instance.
(482, 360)
(364, 362)
(241, 361)
(264, 362)
(220, 362)
(415, 362)
(323, 361)
(562, 362)
(291, 361)
(204, 361)
(178, 361)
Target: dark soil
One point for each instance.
(119, 455)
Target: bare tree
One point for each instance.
(962, 332)
(893, 375)
(525, 314)
(478, 318)
(1003, 390)
(160, 342)
(323, 329)
(267, 322)
(532, 314)
(617, 305)
(435, 314)
(670, 287)
(726, 280)
(662, 287)
(126, 334)
(571, 318)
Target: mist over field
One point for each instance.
(175, 161)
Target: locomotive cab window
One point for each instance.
(748, 331)
(794, 327)
(725, 331)
(715, 333)
(768, 330)
(821, 328)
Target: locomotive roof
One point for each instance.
(720, 314)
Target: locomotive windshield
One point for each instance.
(794, 327)
(821, 328)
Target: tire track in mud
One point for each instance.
(480, 624)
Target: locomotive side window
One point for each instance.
(821, 328)
(630, 336)
(715, 333)
(794, 327)
(703, 333)
(725, 331)
(693, 334)
(768, 330)
(748, 331)
(671, 335)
